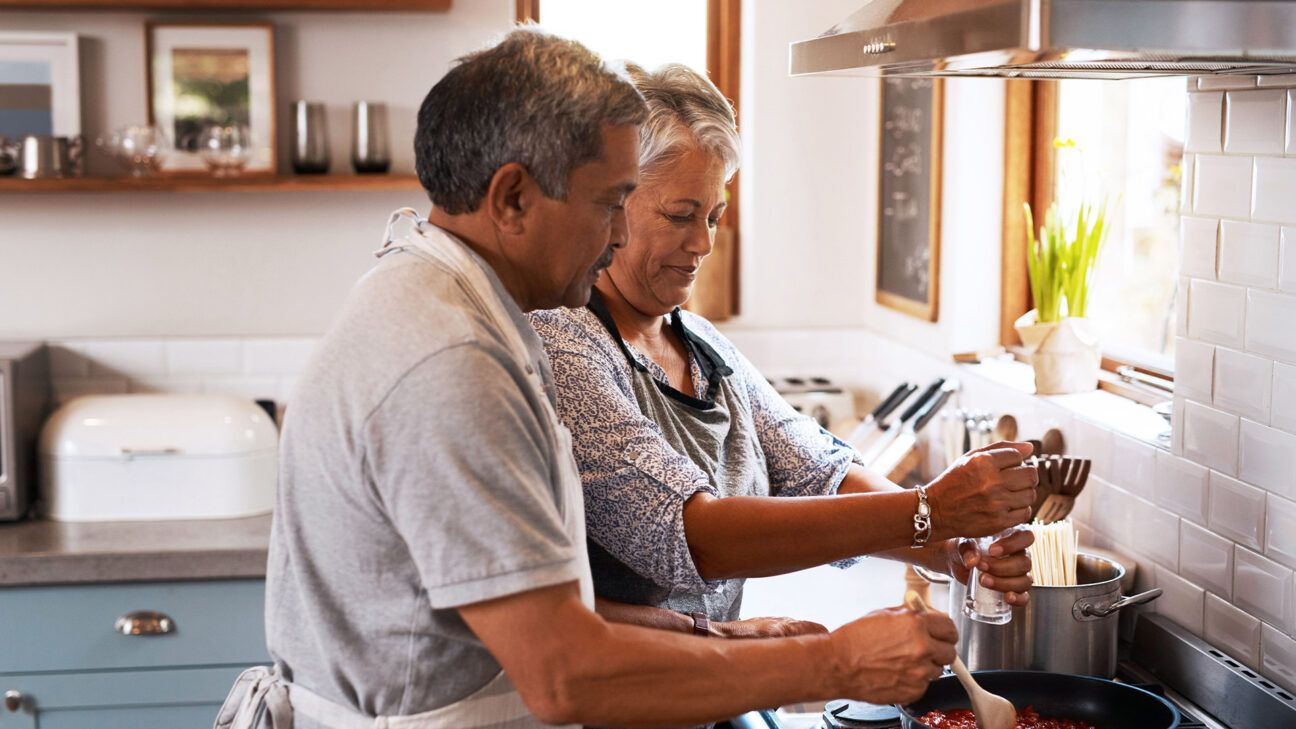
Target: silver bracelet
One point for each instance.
(922, 520)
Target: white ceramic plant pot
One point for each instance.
(1065, 354)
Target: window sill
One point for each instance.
(1100, 407)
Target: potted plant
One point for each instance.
(1063, 344)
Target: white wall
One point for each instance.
(223, 263)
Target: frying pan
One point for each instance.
(1104, 704)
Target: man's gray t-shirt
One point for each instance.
(418, 474)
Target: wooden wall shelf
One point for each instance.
(246, 5)
(250, 183)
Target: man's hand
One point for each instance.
(1006, 568)
(766, 628)
(984, 492)
(889, 656)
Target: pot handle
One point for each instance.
(1094, 611)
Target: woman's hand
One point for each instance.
(1006, 568)
(984, 492)
(766, 628)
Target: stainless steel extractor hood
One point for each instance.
(1056, 39)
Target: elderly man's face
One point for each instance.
(581, 232)
(673, 217)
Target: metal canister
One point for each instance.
(1061, 630)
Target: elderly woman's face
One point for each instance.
(672, 218)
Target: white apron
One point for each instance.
(261, 699)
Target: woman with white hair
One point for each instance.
(696, 473)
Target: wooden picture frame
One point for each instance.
(909, 196)
(223, 62)
(40, 85)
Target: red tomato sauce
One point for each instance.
(1027, 718)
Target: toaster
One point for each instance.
(152, 457)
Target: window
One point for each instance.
(702, 34)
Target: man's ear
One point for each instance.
(510, 195)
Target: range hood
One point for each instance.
(1056, 39)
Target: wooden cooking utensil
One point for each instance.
(992, 711)
(1057, 506)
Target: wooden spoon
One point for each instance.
(992, 712)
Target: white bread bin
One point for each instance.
(145, 457)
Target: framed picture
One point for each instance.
(909, 200)
(40, 85)
(204, 74)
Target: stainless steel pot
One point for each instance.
(1061, 630)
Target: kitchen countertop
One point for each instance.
(40, 552)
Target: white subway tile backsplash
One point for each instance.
(1194, 369)
(1205, 120)
(1134, 463)
(1198, 249)
(1210, 437)
(1254, 121)
(1095, 443)
(1237, 510)
(1177, 426)
(1157, 534)
(152, 385)
(126, 357)
(1181, 487)
(1248, 253)
(204, 356)
(68, 360)
(1267, 458)
(1242, 383)
(252, 388)
(1217, 313)
(1280, 530)
(1181, 601)
(1233, 631)
(1225, 81)
(1113, 511)
(277, 356)
(1223, 186)
(1186, 185)
(66, 388)
(1206, 558)
(1276, 80)
(1283, 407)
(1278, 657)
(1291, 121)
(1269, 324)
(1263, 588)
(1275, 190)
(1287, 261)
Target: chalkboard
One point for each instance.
(909, 196)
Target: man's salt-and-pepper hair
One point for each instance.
(685, 111)
(533, 98)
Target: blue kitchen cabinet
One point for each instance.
(66, 665)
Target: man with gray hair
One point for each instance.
(427, 563)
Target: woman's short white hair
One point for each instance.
(685, 111)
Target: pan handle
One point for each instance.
(1085, 609)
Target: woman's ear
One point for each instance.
(511, 192)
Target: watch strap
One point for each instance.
(701, 624)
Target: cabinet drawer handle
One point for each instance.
(144, 622)
(13, 700)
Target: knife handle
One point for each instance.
(930, 409)
(893, 400)
(922, 400)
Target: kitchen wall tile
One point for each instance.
(1263, 587)
(1242, 383)
(1181, 600)
(1237, 510)
(1181, 487)
(1276, 80)
(1287, 261)
(1248, 253)
(1282, 412)
(277, 356)
(1210, 437)
(152, 385)
(1198, 246)
(1113, 512)
(1217, 313)
(1278, 657)
(1223, 186)
(1194, 369)
(1275, 189)
(252, 388)
(1095, 443)
(66, 388)
(126, 357)
(1267, 458)
(1177, 426)
(1225, 81)
(1156, 534)
(204, 356)
(1206, 558)
(1134, 463)
(1186, 186)
(1181, 306)
(1205, 122)
(1254, 121)
(67, 359)
(1269, 320)
(287, 386)
(1291, 122)
(1280, 530)
(1233, 631)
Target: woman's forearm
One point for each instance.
(643, 615)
